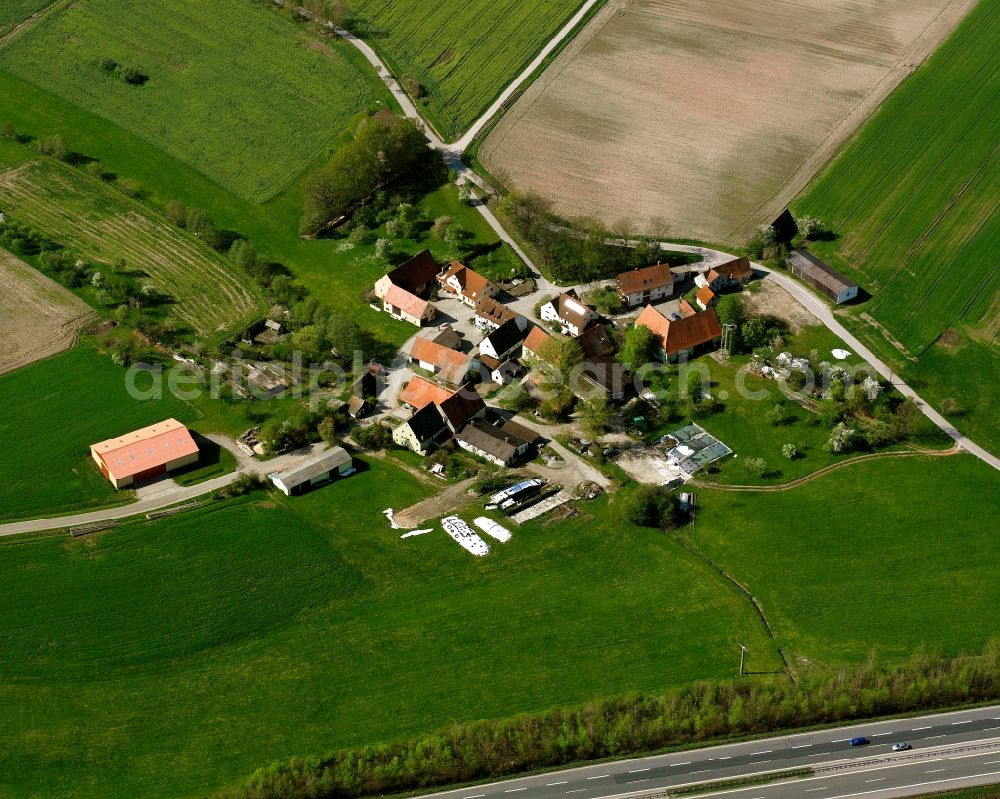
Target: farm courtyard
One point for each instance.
(712, 116)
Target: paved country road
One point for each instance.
(950, 750)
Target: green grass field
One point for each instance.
(208, 294)
(170, 657)
(53, 411)
(233, 90)
(913, 204)
(13, 12)
(889, 555)
(462, 54)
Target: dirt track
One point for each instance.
(710, 115)
(38, 317)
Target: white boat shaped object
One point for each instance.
(492, 528)
(467, 537)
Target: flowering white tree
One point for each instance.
(383, 247)
(809, 226)
(871, 388)
(97, 279)
(842, 439)
(790, 451)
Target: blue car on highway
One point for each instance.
(859, 741)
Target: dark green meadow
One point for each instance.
(167, 658)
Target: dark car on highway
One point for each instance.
(859, 741)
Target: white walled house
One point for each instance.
(572, 316)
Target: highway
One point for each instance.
(949, 750)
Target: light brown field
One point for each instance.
(712, 114)
(38, 317)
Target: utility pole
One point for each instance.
(743, 654)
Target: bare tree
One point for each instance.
(657, 228)
(624, 231)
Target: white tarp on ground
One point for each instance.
(417, 532)
(467, 537)
(492, 528)
(841, 354)
(389, 515)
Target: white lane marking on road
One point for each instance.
(700, 772)
(515, 790)
(550, 784)
(974, 754)
(840, 740)
(475, 796)
(727, 757)
(991, 763)
(638, 770)
(685, 763)
(599, 777)
(931, 737)
(934, 771)
(877, 779)
(758, 762)
(880, 734)
(576, 790)
(987, 729)
(763, 752)
(920, 728)
(956, 723)
(913, 785)
(820, 788)
(802, 746)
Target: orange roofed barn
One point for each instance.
(145, 453)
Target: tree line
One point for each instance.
(630, 725)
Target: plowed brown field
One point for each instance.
(38, 317)
(712, 115)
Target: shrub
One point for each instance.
(374, 436)
(778, 415)
(54, 146)
(755, 466)
(413, 87)
(790, 451)
(441, 225)
(652, 506)
(176, 213)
